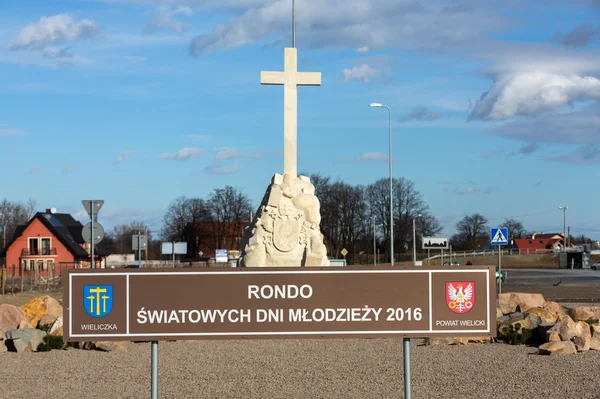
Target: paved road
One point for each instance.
(549, 277)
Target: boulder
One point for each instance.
(57, 327)
(545, 315)
(11, 317)
(511, 301)
(583, 339)
(108, 346)
(595, 341)
(583, 313)
(24, 340)
(558, 348)
(43, 307)
(565, 327)
(499, 312)
(555, 308)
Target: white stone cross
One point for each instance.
(290, 78)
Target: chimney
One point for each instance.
(533, 235)
(48, 210)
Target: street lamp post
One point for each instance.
(564, 209)
(378, 105)
(415, 240)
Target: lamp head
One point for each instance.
(375, 105)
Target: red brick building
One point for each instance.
(49, 241)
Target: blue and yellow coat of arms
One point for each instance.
(98, 299)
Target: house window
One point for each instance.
(50, 265)
(45, 246)
(31, 265)
(33, 246)
(40, 265)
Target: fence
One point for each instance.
(13, 280)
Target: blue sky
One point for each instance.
(496, 108)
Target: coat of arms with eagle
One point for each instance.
(460, 296)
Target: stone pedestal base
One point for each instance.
(285, 231)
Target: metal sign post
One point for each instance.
(407, 380)
(499, 237)
(92, 207)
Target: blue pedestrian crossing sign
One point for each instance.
(499, 235)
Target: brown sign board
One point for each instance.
(242, 303)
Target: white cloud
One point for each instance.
(226, 153)
(363, 72)
(420, 113)
(164, 18)
(585, 155)
(351, 24)
(363, 49)
(531, 93)
(219, 169)
(372, 156)
(57, 29)
(579, 127)
(184, 154)
(124, 155)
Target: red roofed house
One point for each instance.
(49, 241)
(540, 243)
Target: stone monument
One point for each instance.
(285, 230)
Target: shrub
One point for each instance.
(51, 342)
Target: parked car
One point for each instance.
(132, 267)
(596, 266)
(451, 264)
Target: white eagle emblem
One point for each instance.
(460, 296)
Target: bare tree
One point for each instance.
(472, 230)
(515, 228)
(13, 214)
(408, 205)
(344, 217)
(227, 207)
(181, 212)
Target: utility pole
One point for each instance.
(564, 209)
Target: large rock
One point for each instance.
(583, 313)
(110, 346)
(24, 340)
(512, 301)
(595, 341)
(583, 339)
(555, 309)
(57, 327)
(11, 317)
(558, 348)
(499, 312)
(545, 315)
(566, 329)
(285, 231)
(43, 308)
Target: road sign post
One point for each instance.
(92, 207)
(499, 237)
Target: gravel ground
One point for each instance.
(352, 368)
